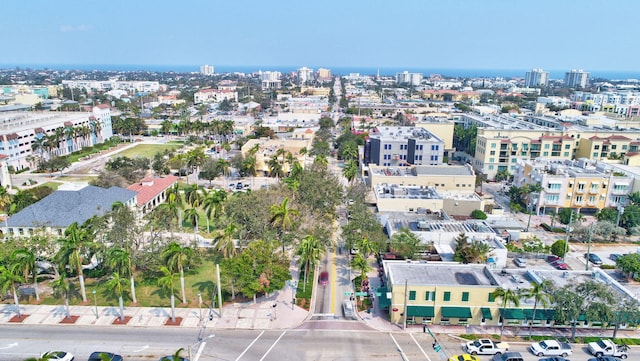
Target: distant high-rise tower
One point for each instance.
(305, 74)
(409, 78)
(206, 70)
(536, 78)
(324, 74)
(576, 78)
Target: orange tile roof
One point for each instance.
(150, 187)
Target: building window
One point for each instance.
(493, 152)
(447, 296)
(412, 295)
(492, 297)
(596, 147)
(493, 145)
(546, 154)
(566, 154)
(465, 296)
(554, 186)
(430, 296)
(546, 146)
(552, 198)
(567, 146)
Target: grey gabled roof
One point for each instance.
(63, 207)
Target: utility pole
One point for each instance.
(219, 290)
(586, 264)
(566, 239)
(406, 313)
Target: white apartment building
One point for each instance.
(305, 75)
(409, 78)
(390, 146)
(270, 79)
(536, 78)
(106, 85)
(214, 96)
(576, 78)
(206, 70)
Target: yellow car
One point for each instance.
(464, 357)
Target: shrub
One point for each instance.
(546, 227)
(478, 214)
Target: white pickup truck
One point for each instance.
(608, 348)
(485, 346)
(550, 348)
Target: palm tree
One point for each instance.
(275, 167)
(360, 263)
(350, 170)
(73, 245)
(321, 162)
(540, 294)
(282, 217)
(10, 279)
(62, 287)
(224, 237)
(116, 285)
(213, 204)
(176, 356)
(120, 261)
(310, 252)
(166, 283)
(507, 297)
(25, 261)
(366, 247)
(191, 216)
(176, 258)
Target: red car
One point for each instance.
(559, 264)
(324, 278)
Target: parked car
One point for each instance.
(508, 356)
(614, 256)
(520, 262)
(348, 310)
(552, 258)
(464, 357)
(485, 346)
(104, 356)
(58, 356)
(593, 258)
(324, 278)
(555, 358)
(560, 265)
(550, 348)
(239, 186)
(604, 358)
(608, 348)
(172, 358)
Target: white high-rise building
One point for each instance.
(409, 78)
(576, 78)
(536, 78)
(206, 70)
(304, 75)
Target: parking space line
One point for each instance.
(274, 345)
(404, 357)
(420, 347)
(250, 345)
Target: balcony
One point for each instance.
(553, 190)
(580, 191)
(593, 191)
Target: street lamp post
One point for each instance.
(200, 304)
(533, 199)
(620, 211)
(95, 302)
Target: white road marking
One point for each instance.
(272, 346)
(404, 357)
(9, 346)
(248, 347)
(142, 349)
(420, 347)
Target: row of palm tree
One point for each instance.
(186, 126)
(540, 293)
(54, 144)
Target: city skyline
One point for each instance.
(490, 34)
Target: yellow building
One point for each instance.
(449, 178)
(464, 294)
(597, 147)
(577, 185)
(442, 128)
(268, 149)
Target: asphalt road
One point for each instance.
(22, 341)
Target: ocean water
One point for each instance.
(340, 70)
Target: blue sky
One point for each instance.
(451, 34)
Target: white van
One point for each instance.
(348, 310)
(520, 262)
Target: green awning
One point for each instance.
(420, 311)
(456, 312)
(540, 314)
(512, 314)
(383, 301)
(486, 313)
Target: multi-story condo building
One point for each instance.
(266, 151)
(576, 78)
(206, 70)
(305, 75)
(502, 141)
(27, 136)
(215, 96)
(389, 146)
(270, 79)
(106, 85)
(409, 78)
(536, 78)
(583, 185)
(324, 74)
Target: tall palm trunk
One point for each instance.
(66, 305)
(82, 288)
(133, 290)
(16, 300)
(35, 287)
(184, 295)
(173, 308)
(121, 304)
(533, 317)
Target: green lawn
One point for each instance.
(201, 279)
(146, 150)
